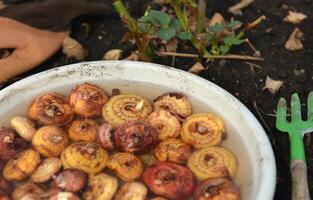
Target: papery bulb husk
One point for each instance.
(125, 107)
(203, 130)
(126, 166)
(86, 156)
(51, 109)
(166, 124)
(212, 162)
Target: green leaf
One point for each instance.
(224, 49)
(232, 40)
(184, 35)
(144, 19)
(174, 24)
(209, 36)
(162, 18)
(166, 33)
(146, 28)
(215, 50)
(233, 24)
(193, 3)
(216, 28)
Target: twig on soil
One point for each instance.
(255, 23)
(229, 56)
(257, 109)
(236, 9)
(256, 52)
(254, 65)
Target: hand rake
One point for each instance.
(296, 129)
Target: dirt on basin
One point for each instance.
(244, 80)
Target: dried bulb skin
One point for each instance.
(10, 143)
(169, 180)
(64, 196)
(87, 99)
(148, 159)
(26, 189)
(71, 180)
(166, 124)
(50, 109)
(216, 189)
(212, 162)
(135, 136)
(158, 198)
(24, 127)
(101, 187)
(50, 141)
(83, 130)
(105, 136)
(175, 103)
(86, 156)
(30, 196)
(47, 168)
(125, 107)
(126, 165)
(203, 130)
(174, 150)
(132, 191)
(21, 165)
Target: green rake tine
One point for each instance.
(281, 115)
(310, 107)
(295, 108)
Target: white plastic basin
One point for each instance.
(246, 138)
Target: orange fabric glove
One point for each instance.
(31, 47)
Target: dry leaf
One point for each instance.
(171, 45)
(217, 18)
(197, 68)
(272, 85)
(73, 49)
(133, 56)
(113, 54)
(294, 41)
(236, 9)
(295, 17)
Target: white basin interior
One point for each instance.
(246, 138)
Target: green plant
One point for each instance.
(188, 23)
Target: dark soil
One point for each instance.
(238, 77)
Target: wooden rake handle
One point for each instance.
(300, 190)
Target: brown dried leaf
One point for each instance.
(272, 85)
(294, 41)
(73, 49)
(133, 56)
(236, 9)
(217, 18)
(295, 17)
(113, 54)
(197, 68)
(171, 45)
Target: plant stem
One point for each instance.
(229, 56)
(201, 16)
(145, 50)
(182, 18)
(122, 11)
